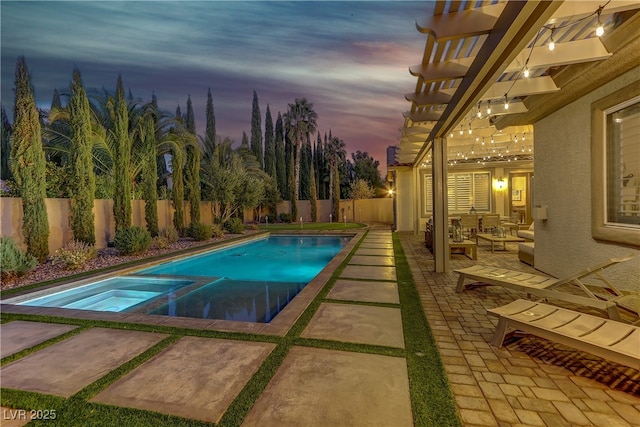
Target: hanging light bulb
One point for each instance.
(516, 138)
(552, 44)
(483, 140)
(461, 131)
(599, 28)
(451, 135)
(492, 141)
(489, 107)
(506, 102)
(526, 72)
(469, 129)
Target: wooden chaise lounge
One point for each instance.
(612, 340)
(547, 287)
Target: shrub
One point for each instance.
(170, 233)
(132, 240)
(160, 242)
(285, 217)
(14, 262)
(216, 230)
(199, 231)
(74, 254)
(234, 226)
(253, 227)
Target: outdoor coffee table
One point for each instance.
(468, 246)
(493, 239)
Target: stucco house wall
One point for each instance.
(562, 171)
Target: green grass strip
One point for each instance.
(432, 401)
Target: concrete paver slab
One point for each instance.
(18, 335)
(378, 252)
(195, 378)
(353, 290)
(358, 324)
(317, 387)
(372, 260)
(369, 272)
(68, 366)
(376, 245)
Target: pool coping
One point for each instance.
(279, 326)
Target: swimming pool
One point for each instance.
(250, 282)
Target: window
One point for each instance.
(616, 167)
(464, 191)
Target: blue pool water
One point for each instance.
(249, 282)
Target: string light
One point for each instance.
(599, 28)
(483, 140)
(461, 131)
(489, 107)
(469, 131)
(506, 102)
(479, 114)
(552, 44)
(526, 72)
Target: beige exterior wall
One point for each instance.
(562, 170)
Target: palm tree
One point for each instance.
(300, 121)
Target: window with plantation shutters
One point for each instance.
(464, 191)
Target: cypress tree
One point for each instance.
(29, 165)
(193, 166)
(55, 100)
(150, 176)
(313, 197)
(84, 183)
(319, 165)
(336, 195)
(121, 161)
(5, 145)
(269, 147)
(256, 130)
(289, 153)
(177, 165)
(293, 197)
(210, 132)
(305, 175)
(281, 164)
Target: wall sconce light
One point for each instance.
(500, 184)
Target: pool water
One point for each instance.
(249, 282)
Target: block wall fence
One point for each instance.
(58, 212)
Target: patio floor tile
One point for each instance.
(353, 290)
(196, 378)
(18, 335)
(318, 387)
(357, 324)
(68, 366)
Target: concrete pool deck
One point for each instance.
(528, 382)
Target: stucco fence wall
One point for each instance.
(58, 212)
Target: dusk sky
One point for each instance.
(350, 59)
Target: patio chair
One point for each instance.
(609, 339)
(469, 223)
(547, 287)
(489, 222)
